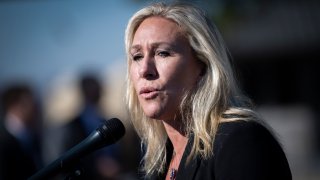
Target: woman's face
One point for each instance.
(162, 68)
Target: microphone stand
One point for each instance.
(111, 131)
(67, 160)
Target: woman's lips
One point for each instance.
(148, 93)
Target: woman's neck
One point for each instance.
(177, 136)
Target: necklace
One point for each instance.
(173, 171)
(173, 174)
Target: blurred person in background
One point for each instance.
(104, 163)
(19, 133)
(184, 102)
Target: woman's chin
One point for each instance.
(158, 111)
(158, 115)
(153, 115)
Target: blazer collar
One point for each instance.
(188, 170)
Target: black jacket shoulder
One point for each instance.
(242, 150)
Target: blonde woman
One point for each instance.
(193, 121)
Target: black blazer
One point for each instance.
(242, 151)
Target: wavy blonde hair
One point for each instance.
(215, 99)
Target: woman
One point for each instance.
(185, 105)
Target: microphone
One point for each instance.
(108, 133)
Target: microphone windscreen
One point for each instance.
(112, 130)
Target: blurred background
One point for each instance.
(50, 46)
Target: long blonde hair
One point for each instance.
(216, 98)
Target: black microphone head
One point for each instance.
(112, 130)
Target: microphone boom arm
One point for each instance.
(99, 138)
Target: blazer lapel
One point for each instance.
(188, 170)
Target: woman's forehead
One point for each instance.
(157, 29)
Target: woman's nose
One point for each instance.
(148, 68)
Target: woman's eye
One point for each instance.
(163, 54)
(137, 57)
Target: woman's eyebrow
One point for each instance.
(168, 45)
(135, 48)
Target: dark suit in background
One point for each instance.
(15, 163)
(19, 137)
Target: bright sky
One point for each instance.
(41, 39)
